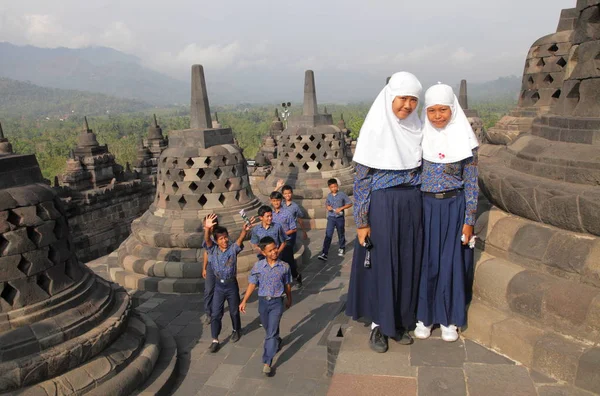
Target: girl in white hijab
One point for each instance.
(387, 210)
(449, 185)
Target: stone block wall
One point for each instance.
(101, 219)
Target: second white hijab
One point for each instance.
(456, 141)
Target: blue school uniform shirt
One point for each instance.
(285, 218)
(223, 263)
(275, 231)
(294, 209)
(367, 180)
(337, 201)
(271, 281)
(445, 177)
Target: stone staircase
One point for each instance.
(537, 297)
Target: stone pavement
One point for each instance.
(429, 367)
(299, 369)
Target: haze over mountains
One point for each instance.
(111, 72)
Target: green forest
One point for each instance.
(52, 139)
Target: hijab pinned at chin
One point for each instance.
(456, 141)
(386, 142)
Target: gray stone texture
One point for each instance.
(62, 329)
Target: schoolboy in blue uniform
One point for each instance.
(283, 216)
(265, 228)
(288, 193)
(337, 201)
(274, 279)
(222, 256)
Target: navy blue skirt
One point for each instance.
(387, 292)
(447, 271)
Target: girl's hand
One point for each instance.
(204, 273)
(243, 307)
(363, 233)
(467, 231)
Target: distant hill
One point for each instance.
(23, 99)
(503, 88)
(94, 69)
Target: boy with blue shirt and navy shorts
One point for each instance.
(265, 228)
(283, 216)
(222, 259)
(273, 278)
(336, 202)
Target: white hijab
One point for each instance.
(456, 141)
(386, 142)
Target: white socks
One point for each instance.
(373, 325)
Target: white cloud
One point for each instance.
(118, 36)
(461, 56)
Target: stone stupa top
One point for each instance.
(87, 137)
(201, 134)
(310, 116)
(155, 131)
(464, 101)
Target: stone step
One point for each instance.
(539, 348)
(566, 254)
(164, 374)
(60, 362)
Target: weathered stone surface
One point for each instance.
(348, 384)
(558, 357)
(570, 302)
(436, 352)
(588, 375)
(492, 280)
(517, 340)
(526, 292)
(498, 380)
(434, 381)
(478, 354)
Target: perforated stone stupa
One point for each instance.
(63, 330)
(543, 75)
(268, 149)
(200, 172)
(311, 150)
(537, 282)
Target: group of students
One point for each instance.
(415, 196)
(273, 240)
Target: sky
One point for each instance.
(252, 43)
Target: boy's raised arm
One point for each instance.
(209, 223)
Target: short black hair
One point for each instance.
(264, 242)
(287, 187)
(264, 209)
(218, 230)
(276, 195)
(331, 181)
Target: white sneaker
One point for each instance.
(341, 252)
(422, 332)
(449, 334)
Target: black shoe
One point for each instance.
(214, 347)
(403, 338)
(377, 341)
(235, 336)
(322, 257)
(299, 280)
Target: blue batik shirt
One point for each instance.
(337, 201)
(446, 177)
(367, 180)
(223, 263)
(275, 231)
(285, 218)
(271, 281)
(294, 209)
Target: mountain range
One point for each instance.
(110, 72)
